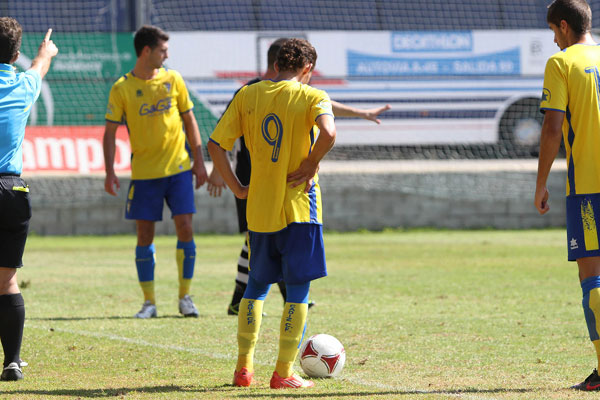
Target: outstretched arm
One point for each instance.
(549, 145)
(371, 114)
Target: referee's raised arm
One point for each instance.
(46, 51)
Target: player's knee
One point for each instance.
(8, 281)
(185, 231)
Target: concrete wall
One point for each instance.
(355, 196)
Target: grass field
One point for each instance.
(422, 314)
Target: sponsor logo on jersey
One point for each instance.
(161, 106)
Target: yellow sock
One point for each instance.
(184, 284)
(148, 289)
(291, 329)
(597, 346)
(249, 319)
(594, 305)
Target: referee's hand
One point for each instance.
(48, 48)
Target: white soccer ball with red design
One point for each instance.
(322, 356)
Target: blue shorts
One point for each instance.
(145, 198)
(582, 226)
(295, 255)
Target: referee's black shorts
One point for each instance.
(15, 213)
(242, 171)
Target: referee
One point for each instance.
(18, 92)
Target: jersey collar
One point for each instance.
(161, 71)
(6, 70)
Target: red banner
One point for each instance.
(76, 149)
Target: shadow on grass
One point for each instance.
(371, 394)
(101, 393)
(174, 316)
(243, 393)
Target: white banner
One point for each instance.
(369, 53)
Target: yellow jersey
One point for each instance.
(151, 110)
(572, 86)
(277, 120)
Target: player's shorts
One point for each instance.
(15, 213)
(145, 197)
(582, 225)
(242, 171)
(295, 255)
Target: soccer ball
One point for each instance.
(322, 356)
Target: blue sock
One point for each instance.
(189, 258)
(297, 293)
(591, 304)
(256, 290)
(145, 262)
(186, 259)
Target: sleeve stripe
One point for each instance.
(114, 122)
(552, 109)
(317, 117)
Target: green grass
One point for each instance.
(422, 314)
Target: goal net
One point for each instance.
(463, 77)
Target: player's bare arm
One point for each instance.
(46, 51)
(111, 182)
(193, 137)
(371, 114)
(309, 167)
(549, 146)
(221, 163)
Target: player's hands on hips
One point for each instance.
(373, 113)
(541, 199)
(215, 183)
(199, 171)
(48, 48)
(304, 174)
(110, 183)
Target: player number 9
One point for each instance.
(273, 140)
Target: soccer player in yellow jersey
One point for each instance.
(242, 170)
(277, 119)
(154, 103)
(571, 103)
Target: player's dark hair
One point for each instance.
(11, 34)
(295, 54)
(273, 50)
(576, 13)
(148, 35)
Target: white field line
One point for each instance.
(220, 356)
(138, 342)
